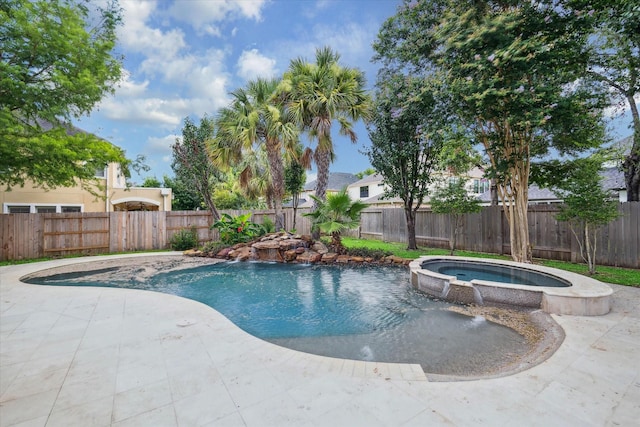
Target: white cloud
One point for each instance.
(136, 36)
(201, 13)
(162, 144)
(252, 64)
(351, 40)
(147, 111)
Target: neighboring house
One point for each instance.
(370, 188)
(613, 181)
(112, 189)
(337, 181)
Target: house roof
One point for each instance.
(337, 181)
(613, 179)
(369, 179)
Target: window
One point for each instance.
(69, 209)
(19, 209)
(45, 209)
(101, 173)
(481, 185)
(364, 192)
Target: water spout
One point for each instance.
(366, 353)
(477, 296)
(445, 290)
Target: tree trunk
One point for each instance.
(631, 164)
(454, 223)
(410, 216)
(515, 201)
(277, 179)
(494, 192)
(323, 159)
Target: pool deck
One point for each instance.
(74, 356)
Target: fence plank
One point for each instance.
(28, 236)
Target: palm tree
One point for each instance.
(256, 120)
(316, 95)
(336, 214)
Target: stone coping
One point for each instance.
(585, 297)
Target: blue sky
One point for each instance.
(183, 57)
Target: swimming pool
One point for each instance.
(363, 313)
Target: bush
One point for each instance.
(237, 229)
(184, 239)
(213, 247)
(368, 252)
(268, 225)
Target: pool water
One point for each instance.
(469, 270)
(361, 313)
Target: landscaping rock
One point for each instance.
(329, 257)
(309, 257)
(320, 248)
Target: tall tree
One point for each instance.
(405, 146)
(256, 120)
(512, 69)
(56, 63)
(294, 179)
(614, 60)
(191, 162)
(317, 94)
(587, 205)
(453, 200)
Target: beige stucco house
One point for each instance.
(112, 195)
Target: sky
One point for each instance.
(183, 57)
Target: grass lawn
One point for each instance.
(617, 275)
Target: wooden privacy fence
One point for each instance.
(488, 231)
(28, 236)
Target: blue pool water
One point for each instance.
(364, 313)
(469, 270)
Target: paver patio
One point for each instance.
(77, 356)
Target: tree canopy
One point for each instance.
(56, 63)
(405, 144)
(614, 61)
(512, 70)
(319, 94)
(191, 162)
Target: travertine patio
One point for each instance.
(114, 357)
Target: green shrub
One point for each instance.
(368, 252)
(268, 225)
(213, 247)
(237, 229)
(184, 239)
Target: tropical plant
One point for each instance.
(316, 95)
(334, 215)
(237, 229)
(256, 121)
(454, 200)
(191, 162)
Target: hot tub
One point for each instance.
(497, 282)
